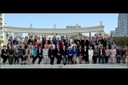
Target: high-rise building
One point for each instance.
(1, 24)
(113, 33)
(122, 28)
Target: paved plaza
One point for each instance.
(56, 66)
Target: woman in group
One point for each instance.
(53, 45)
(70, 55)
(112, 54)
(28, 54)
(16, 55)
(10, 52)
(46, 45)
(4, 54)
(64, 55)
(45, 54)
(90, 53)
(26, 40)
(39, 54)
(85, 54)
(107, 54)
(51, 54)
(34, 54)
(118, 56)
(58, 52)
(23, 57)
(74, 54)
(124, 54)
(95, 54)
(73, 44)
(38, 41)
(80, 54)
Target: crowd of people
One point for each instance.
(88, 49)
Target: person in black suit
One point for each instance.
(87, 46)
(58, 54)
(43, 41)
(85, 54)
(64, 55)
(39, 55)
(80, 54)
(51, 54)
(4, 54)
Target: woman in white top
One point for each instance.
(73, 44)
(112, 54)
(45, 54)
(90, 53)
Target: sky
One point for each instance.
(45, 20)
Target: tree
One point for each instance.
(121, 41)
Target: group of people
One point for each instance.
(69, 51)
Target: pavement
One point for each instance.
(56, 66)
(102, 66)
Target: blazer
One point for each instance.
(85, 52)
(41, 53)
(103, 52)
(75, 51)
(64, 51)
(70, 52)
(58, 51)
(51, 52)
(3, 52)
(80, 52)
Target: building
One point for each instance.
(122, 28)
(103, 34)
(51, 31)
(74, 26)
(1, 25)
(113, 33)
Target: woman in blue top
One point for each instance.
(34, 54)
(74, 54)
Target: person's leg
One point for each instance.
(4, 59)
(52, 60)
(94, 59)
(119, 58)
(29, 59)
(44, 59)
(102, 59)
(99, 59)
(57, 59)
(12, 59)
(34, 59)
(24, 59)
(106, 59)
(47, 59)
(17, 59)
(40, 59)
(68, 59)
(80, 57)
